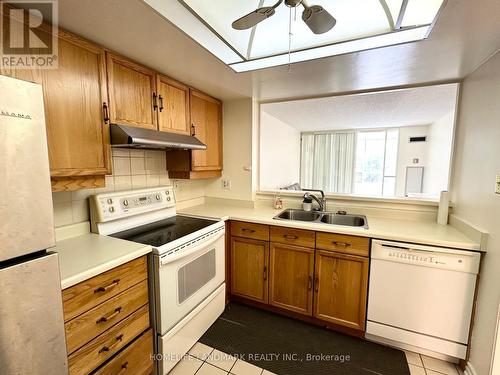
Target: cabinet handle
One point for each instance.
(118, 340)
(161, 102)
(107, 287)
(123, 368)
(155, 104)
(248, 230)
(193, 130)
(343, 244)
(290, 237)
(104, 319)
(309, 283)
(265, 273)
(105, 112)
(316, 284)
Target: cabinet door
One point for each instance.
(249, 268)
(341, 283)
(206, 120)
(291, 277)
(132, 96)
(74, 93)
(173, 106)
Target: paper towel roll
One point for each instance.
(444, 204)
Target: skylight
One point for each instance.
(361, 25)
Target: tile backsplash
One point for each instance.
(132, 169)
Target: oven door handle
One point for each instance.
(166, 259)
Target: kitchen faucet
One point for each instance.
(321, 202)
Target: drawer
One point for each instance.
(90, 293)
(103, 347)
(250, 230)
(136, 359)
(343, 243)
(92, 323)
(292, 236)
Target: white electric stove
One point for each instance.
(187, 264)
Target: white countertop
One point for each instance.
(88, 255)
(420, 232)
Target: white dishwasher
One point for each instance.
(421, 297)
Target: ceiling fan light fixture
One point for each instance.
(318, 19)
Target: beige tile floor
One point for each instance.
(204, 360)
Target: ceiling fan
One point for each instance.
(314, 16)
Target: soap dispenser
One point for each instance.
(307, 204)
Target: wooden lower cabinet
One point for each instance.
(249, 268)
(291, 278)
(295, 271)
(340, 285)
(107, 322)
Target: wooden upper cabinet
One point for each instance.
(173, 106)
(206, 121)
(132, 93)
(341, 283)
(249, 268)
(291, 278)
(74, 94)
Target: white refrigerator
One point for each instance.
(32, 339)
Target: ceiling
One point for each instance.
(465, 35)
(408, 107)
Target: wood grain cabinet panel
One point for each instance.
(341, 283)
(90, 293)
(134, 360)
(132, 93)
(250, 230)
(92, 323)
(103, 347)
(206, 120)
(291, 278)
(342, 243)
(249, 268)
(293, 236)
(173, 106)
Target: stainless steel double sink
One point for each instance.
(323, 218)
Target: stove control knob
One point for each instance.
(110, 201)
(125, 203)
(168, 199)
(167, 192)
(111, 209)
(158, 197)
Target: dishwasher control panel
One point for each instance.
(430, 256)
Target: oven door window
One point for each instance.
(195, 274)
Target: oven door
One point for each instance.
(187, 277)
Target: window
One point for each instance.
(360, 162)
(376, 162)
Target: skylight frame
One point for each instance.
(239, 63)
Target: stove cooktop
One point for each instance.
(164, 231)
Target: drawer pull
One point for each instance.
(343, 244)
(108, 348)
(316, 284)
(248, 230)
(265, 273)
(104, 319)
(123, 368)
(290, 237)
(107, 287)
(309, 283)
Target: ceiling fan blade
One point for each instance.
(318, 19)
(251, 19)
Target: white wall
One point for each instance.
(409, 151)
(237, 152)
(440, 143)
(477, 160)
(279, 153)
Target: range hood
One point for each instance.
(131, 137)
